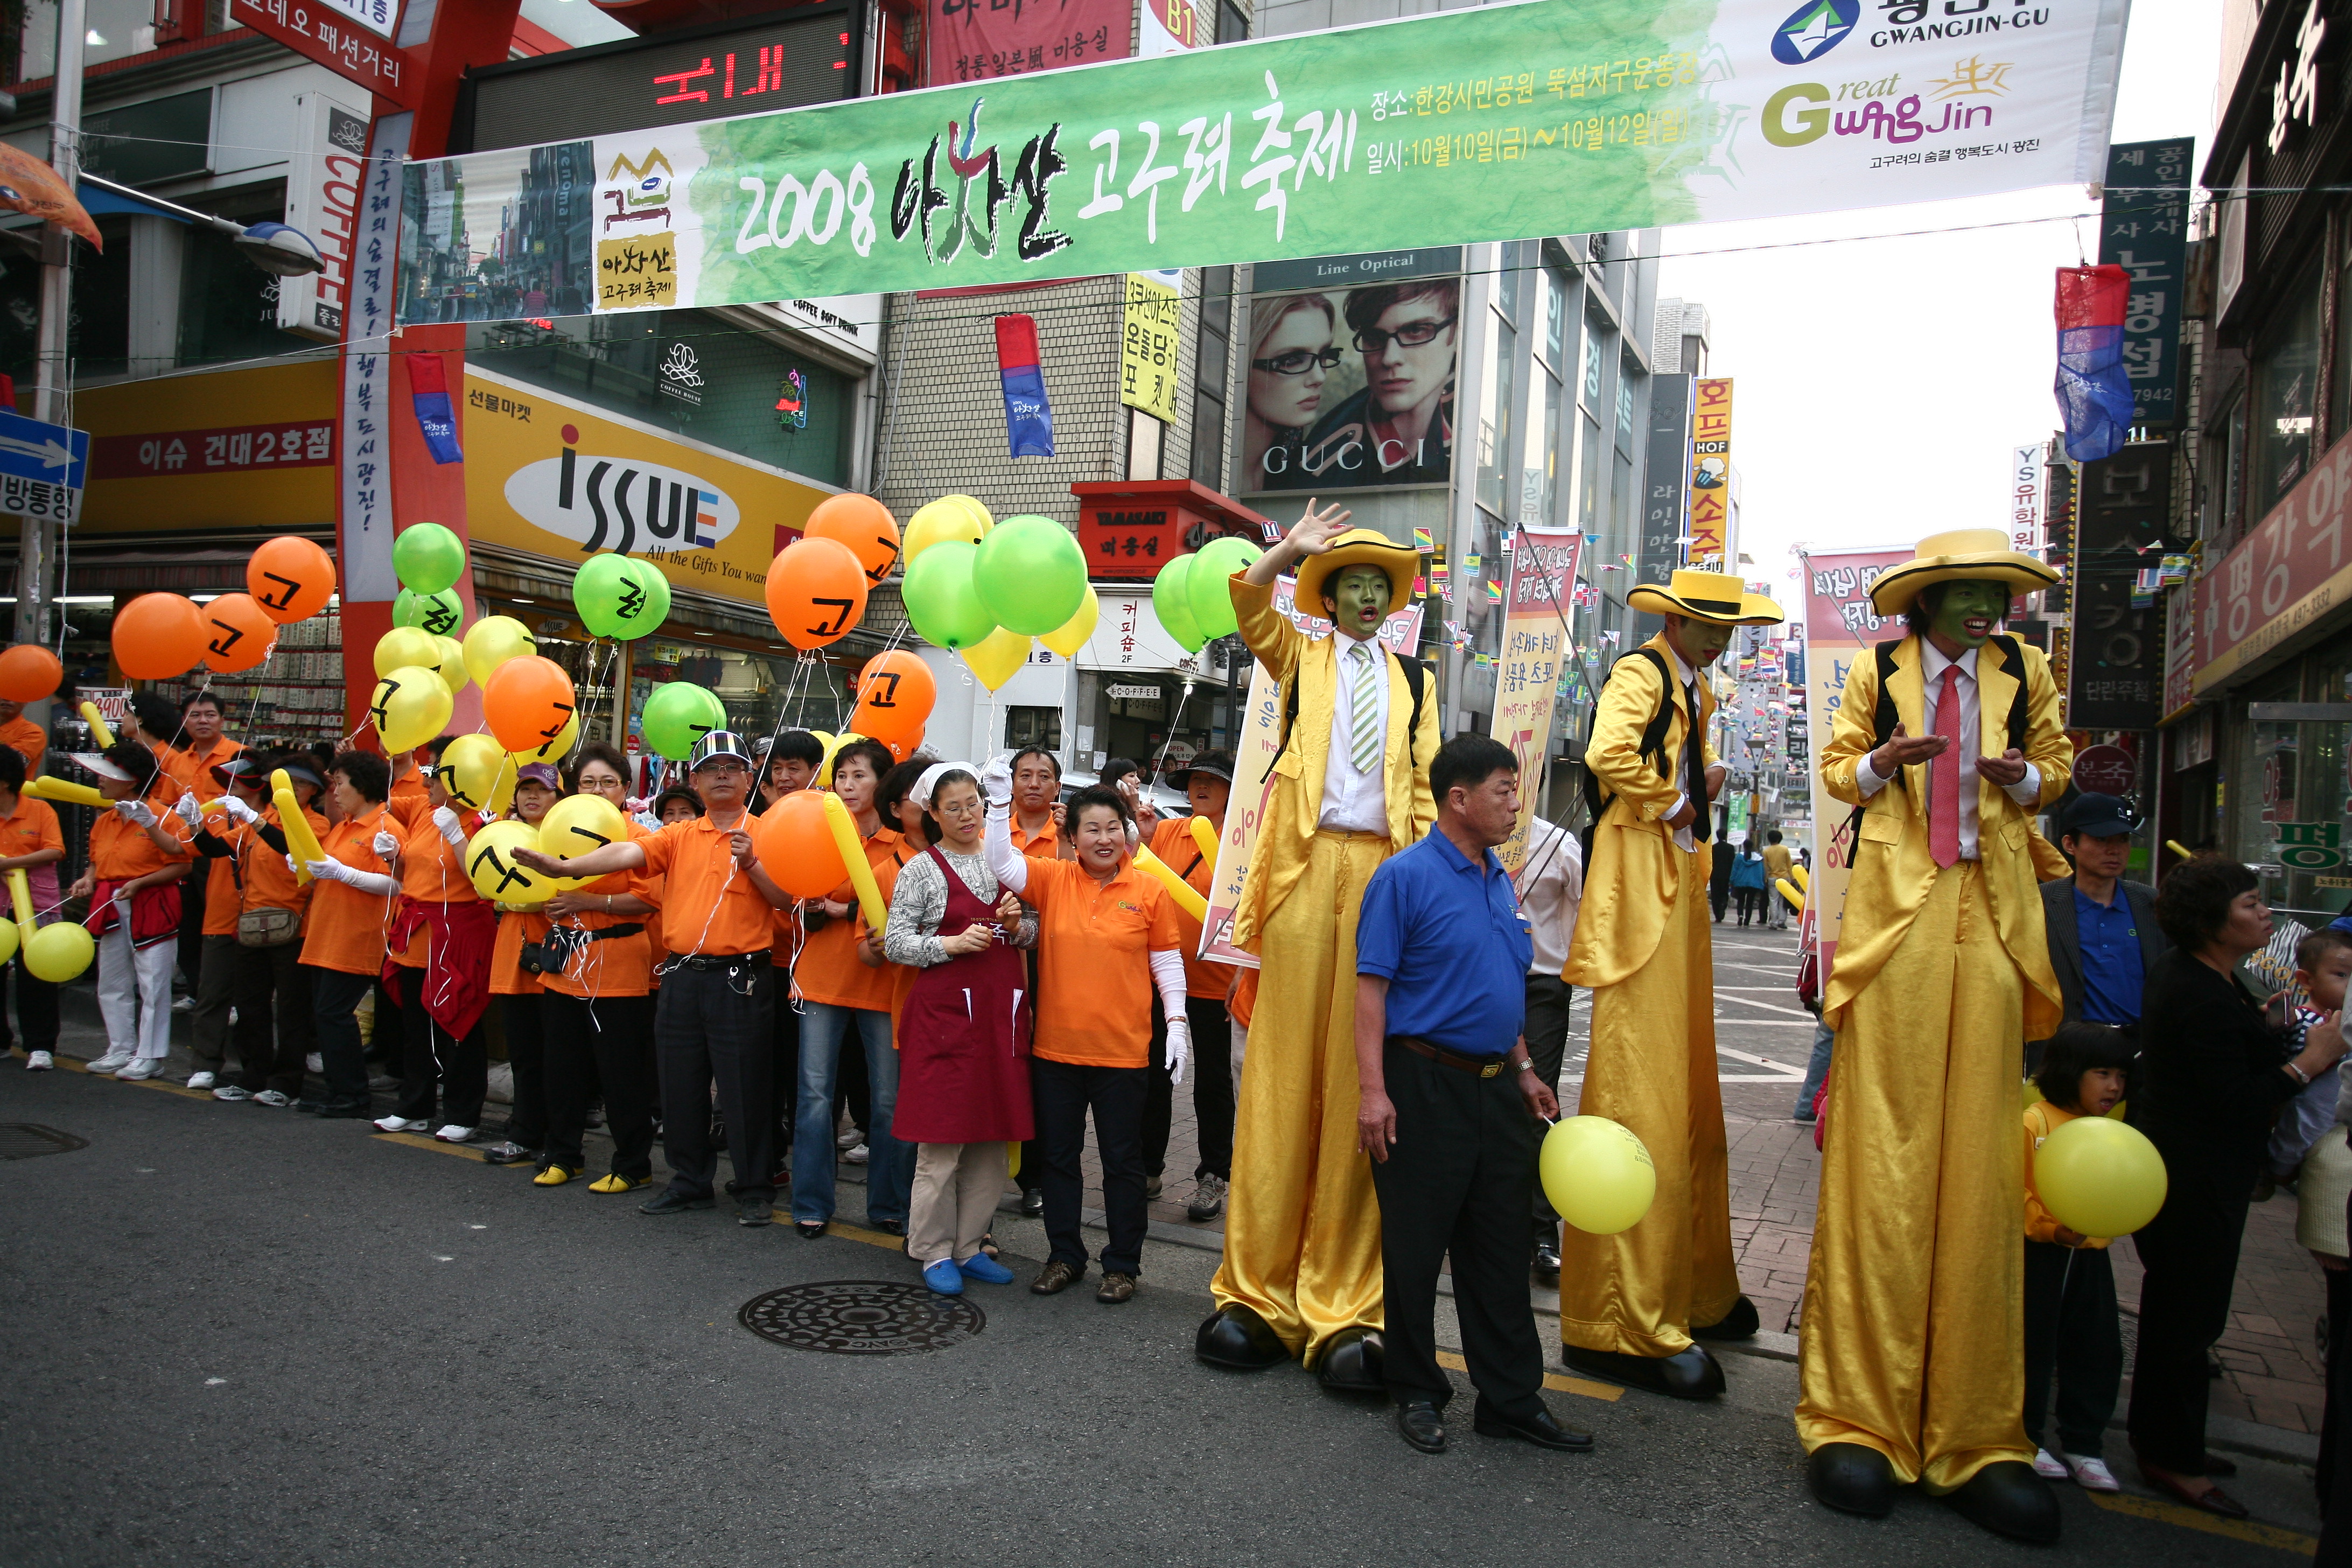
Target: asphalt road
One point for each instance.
(242, 1336)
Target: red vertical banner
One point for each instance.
(980, 40)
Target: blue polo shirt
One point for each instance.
(2112, 969)
(1447, 937)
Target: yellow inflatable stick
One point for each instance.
(1788, 891)
(1182, 891)
(98, 729)
(853, 855)
(296, 826)
(20, 894)
(66, 792)
(1803, 878)
(1204, 834)
(2178, 849)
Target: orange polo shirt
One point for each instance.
(1046, 844)
(224, 899)
(29, 738)
(618, 966)
(30, 828)
(191, 768)
(269, 885)
(407, 798)
(346, 927)
(1243, 1002)
(829, 970)
(119, 848)
(715, 907)
(433, 871)
(1094, 943)
(1172, 841)
(508, 976)
(651, 887)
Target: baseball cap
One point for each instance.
(718, 743)
(2097, 816)
(540, 774)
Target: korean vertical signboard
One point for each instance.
(1535, 643)
(2144, 229)
(2025, 499)
(2116, 678)
(1149, 332)
(1667, 466)
(1710, 471)
(1842, 629)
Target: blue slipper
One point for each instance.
(979, 1266)
(944, 1278)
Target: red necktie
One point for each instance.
(1944, 775)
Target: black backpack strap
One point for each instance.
(1653, 744)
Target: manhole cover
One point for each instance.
(862, 1317)
(26, 1140)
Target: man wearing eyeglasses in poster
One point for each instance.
(1399, 428)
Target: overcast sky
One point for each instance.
(1880, 382)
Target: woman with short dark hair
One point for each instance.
(343, 933)
(2217, 1073)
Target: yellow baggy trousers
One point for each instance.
(1653, 1070)
(1914, 1335)
(1302, 1225)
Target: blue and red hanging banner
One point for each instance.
(428, 385)
(1028, 417)
(2094, 393)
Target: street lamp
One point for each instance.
(274, 247)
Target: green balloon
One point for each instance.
(679, 714)
(441, 614)
(656, 602)
(428, 557)
(620, 597)
(941, 599)
(1171, 601)
(1207, 590)
(1031, 575)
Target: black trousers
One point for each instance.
(1551, 1001)
(459, 1070)
(1211, 1072)
(1062, 1093)
(2191, 1254)
(2071, 1340)
(2332, 1413)
(718, 1025)
(342, 1055)
(784, 1072)
(527, 1060)
(192, 924)
(1720, 897)
(608, 1041)
(276, 1027)
(37, 1008)
(1456, 1182)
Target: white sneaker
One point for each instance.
(315, 1062)
(452, 1133)
(201, 1080)
(849, 1140)
(271, 1096)
(397, 1124)
(40, 1061)
(144, 1068)
(112, 1061)
(2091, 1475)
(2048, 1466)
(183, 1004)
(854, 1156)
(231, 1091)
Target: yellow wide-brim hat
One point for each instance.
(1963, 555)
(1360, 547)
(1718, 596)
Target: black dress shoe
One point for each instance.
(1739, 1323)
(1851, 1478)
(1690, 1373)
(1032, 1201)
(1543, 1429)
(670, 1202)
(755, 1211)
(889, 1226)
(1546, 1268)
(2215, 1465)
(1418, 1424)
(1238, 1340)
(346, 1112)
(810, 1229)
(2007, 1498)
(1351, 1363)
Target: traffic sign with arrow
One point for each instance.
(42, 467)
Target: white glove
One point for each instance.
(136, 811)
(1179, 1048)
(996, 780)
(188, 809)
(452, 830)
(384, 845)
(238, 809)
(291, 867)
(323, 871)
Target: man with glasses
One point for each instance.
(717, 1013)
(1399, 430)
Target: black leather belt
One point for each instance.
(708, 961)
(1479, 1066)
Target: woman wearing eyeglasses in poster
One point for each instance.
(1291, 358)
(1399, 430)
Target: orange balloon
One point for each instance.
(526, 702)
(861, 523)
(29, 673)
(796, 846)
(900, 749)
(290, 578)
(816, 593)
(896, 691)
(238, 633)
(159, 636)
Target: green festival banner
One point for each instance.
(1500, 122)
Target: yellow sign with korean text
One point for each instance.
(1535, 647)
(251, 451)
(1147, 346)
(1710, 502)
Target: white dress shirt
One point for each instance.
(1551, 889)
(2026, 792)
(1355, 802)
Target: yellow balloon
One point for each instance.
(832, 744)
(997, 657)
(450, 665)
(1186, 895)
(491, 866)
(59, 952)
(1788, 891)
(2099, 1176)
(579, 823)
(1071, 636)
(410, 707)
(949, 517)
(407, 646)
(493, 640)
(553, 750)
(1597, 1175)
(1798, 875)
(7, 940)
(478, 774)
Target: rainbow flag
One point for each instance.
(1494, 593)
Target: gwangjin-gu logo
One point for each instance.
(1814, 29)
(622, 504)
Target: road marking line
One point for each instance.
(1771, 1007)
(1606, 1391)
(2164, 1513)
(418, 1140)
(851, 1233)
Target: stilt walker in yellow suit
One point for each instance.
(1302, 1267)
(1628, 1303)
(1911, 1359)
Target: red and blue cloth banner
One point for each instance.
(1028, 417)
(2094, 396)
(428, 387)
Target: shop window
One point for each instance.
(2285, 381)
(1212, 361)
(1033, 727)
(1588, 480)
(1500, 387)
(98, 333)
(228, 307)
(116, 29)
(2222, 504)
(1232, 25)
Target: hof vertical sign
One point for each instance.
(1710, 471)
(2144, 229)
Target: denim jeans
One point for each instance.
(1815, 1070)
(889, 1165)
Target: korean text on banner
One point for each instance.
(1842, 630)
(1152, 327)
(1535, 642)
(980, 40)
(1489, 123)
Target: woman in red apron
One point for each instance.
(963, 1037)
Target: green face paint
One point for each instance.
(1701, 642)
(1969, 612)
(1357, 600)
